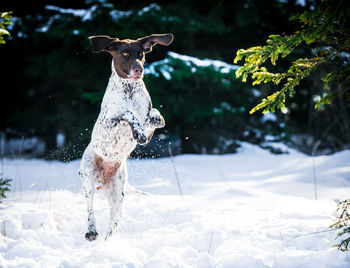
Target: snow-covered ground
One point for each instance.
(252, 209)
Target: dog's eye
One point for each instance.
(140, 54)
(125, 54)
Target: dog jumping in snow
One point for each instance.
(125, 120)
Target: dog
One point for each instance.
(126, 119)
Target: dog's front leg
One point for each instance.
(115, 195)
(155, 119)
(136, 127)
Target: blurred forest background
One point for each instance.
(52, 84)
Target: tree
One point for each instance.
(326, 31)
(343, 224)
(4, 187)
(5, 20)
(58, 70)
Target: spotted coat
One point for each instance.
(126, 119)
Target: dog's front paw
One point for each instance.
(140, 137)
(91, 236)
(157, 121)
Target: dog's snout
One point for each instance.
(138, 70)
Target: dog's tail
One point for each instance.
(131, 190)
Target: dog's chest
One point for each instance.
(116, 143)
(131, 97)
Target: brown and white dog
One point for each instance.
(125, 120)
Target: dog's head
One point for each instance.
(129, 55)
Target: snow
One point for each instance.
(218, 65)
(120, 14)
(88, 14)
(16, 146)
(250, 209)
(148, 8)
(298, 2)
(166, 70)
(269, 117)
(85, 14)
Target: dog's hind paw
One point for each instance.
(91, 236)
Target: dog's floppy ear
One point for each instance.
(162, 39)
(101, 43)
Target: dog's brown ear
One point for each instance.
(162, 39)
(101, 43)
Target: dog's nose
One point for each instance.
(138, 70)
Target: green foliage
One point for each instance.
(4, 187)
(326, 30)
(54, 83)
(58, 72)
(343, 224)
(4, 21)
(54, 77)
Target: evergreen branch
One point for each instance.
(300, 69)
(4, 187)
(4, 21)
(276, 100)
(328, 97)
(343, 223)
(326, 25)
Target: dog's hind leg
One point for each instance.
(114, 192)
(87, 174)
(88, 188)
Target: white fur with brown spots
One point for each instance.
(126, 119)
